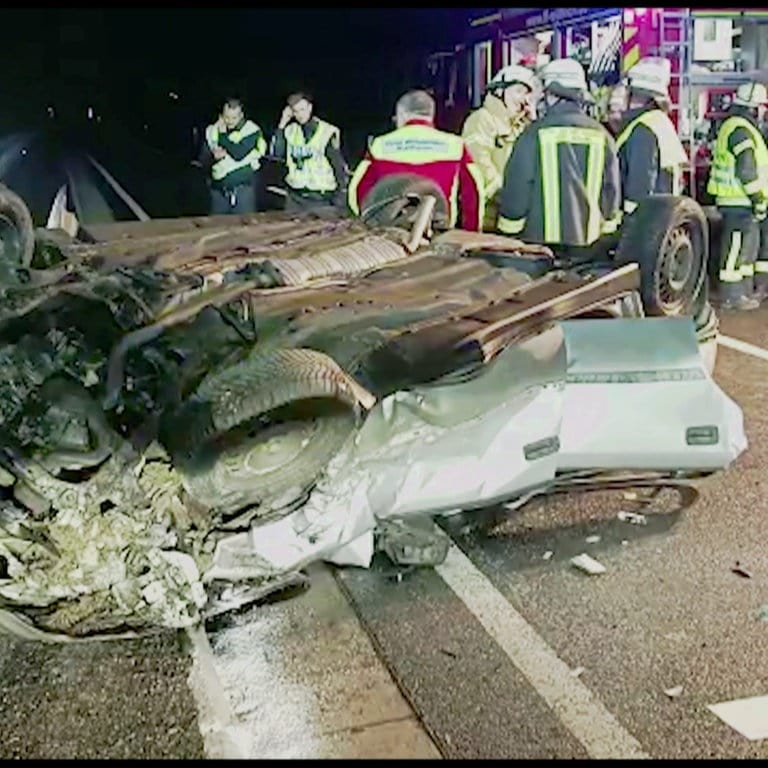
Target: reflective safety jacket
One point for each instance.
(561, 184)
(245, 145)
(739, 172)
(651, 156)
(420, 148)
(308, 165)
(490, 134)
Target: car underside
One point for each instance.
(192, 410)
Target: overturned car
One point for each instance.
(193, 410)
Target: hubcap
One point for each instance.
(676, 269)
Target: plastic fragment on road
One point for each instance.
(577, 671)
(632, 517)
(747, 716)
(588, 564)
(673, 693)
(739, 571)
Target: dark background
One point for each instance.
(125, 63)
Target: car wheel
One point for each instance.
(17, 231)
(394, 200)
(668, 237)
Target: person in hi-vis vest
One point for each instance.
(651, 156)
(738, 180)
(233, 149)
(317, 174)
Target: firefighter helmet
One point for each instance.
(651, 75)
(510, 75)
(751, 95)
(565, 74)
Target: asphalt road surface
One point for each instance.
(504, 651)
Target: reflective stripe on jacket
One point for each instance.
(308, 165)
(724, 181)
(651, 160)
(561, 184)
(420, 148)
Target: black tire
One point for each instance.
(219, 433)
(17, 231)
(393, 201)
(668, 237)
(231, 474)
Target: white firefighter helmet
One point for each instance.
(509, 75)
(567, 74)
(751, 95)
(651, 75)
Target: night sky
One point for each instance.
(125, 62)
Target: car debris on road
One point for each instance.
(635, 518)
(588, 564)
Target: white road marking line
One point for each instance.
(747, 716)
(580, 711)
(742, 346)
(223, 737)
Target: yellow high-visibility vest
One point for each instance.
(222, 168)
(724, 185)
(308, 166)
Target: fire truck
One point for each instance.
(712, 52)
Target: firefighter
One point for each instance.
(615, 108)
(651, 155)
(561, 184)
(417, 147)
(738, 181)
(233, 150)
(311, 148)
(491, 130)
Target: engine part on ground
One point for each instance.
(415, 541)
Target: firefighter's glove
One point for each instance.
(760, 211)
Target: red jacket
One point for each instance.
(418, 147)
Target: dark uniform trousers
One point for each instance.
(300, 200)
(739, 248)
(240, 199)
(761, 265)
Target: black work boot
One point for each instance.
(761, 287)
(733, 297)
